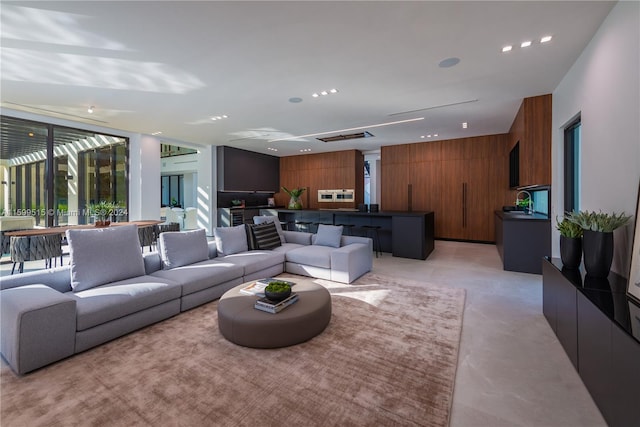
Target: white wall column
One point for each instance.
(144, 177)
(206, 197)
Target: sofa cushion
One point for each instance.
(254, 261)
(231, 240)
(104, 255)
(265, 235)
(182, 248)
(274, 219)
(313, 255)
(105, 303)
(328, 235)
(201, 275)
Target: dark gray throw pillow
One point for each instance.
(266, 235)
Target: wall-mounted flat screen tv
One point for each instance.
(514, 166)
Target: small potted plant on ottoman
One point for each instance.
(277, 290)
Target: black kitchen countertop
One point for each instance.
(521, 216)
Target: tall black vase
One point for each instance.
(571, 251)
(598, 252)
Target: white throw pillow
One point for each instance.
(182, 248)
(274, 219)
(231, 240)
(104, 255)
(328, 235)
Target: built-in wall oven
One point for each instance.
(336, 196)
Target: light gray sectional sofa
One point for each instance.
(110, 288)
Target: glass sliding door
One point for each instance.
(23, 162)
(53, 172)
(103, 177)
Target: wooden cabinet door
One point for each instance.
(477, 214)
(449, 216)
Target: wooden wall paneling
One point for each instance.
(454, 149)
(433, 151)
(396, 154)
(395, 178)
(426, 180)
(334, 170)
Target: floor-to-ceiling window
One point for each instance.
(572, 166)
(53, 172)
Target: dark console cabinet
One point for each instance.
(591, 318)
(559, 307)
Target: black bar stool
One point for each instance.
(304, 225)
(347, 229)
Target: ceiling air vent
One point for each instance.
(346, 137)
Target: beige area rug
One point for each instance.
(388, 357)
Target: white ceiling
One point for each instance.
(171, 66)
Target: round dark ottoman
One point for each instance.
(242, 324)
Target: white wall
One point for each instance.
(603, 85)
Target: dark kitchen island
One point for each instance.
(403, 234)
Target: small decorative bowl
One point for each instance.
(277, 296)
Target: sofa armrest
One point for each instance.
(38, 326)
(350, 262)
(347, 240)
(299, 237)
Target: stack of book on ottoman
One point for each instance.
(265, 304)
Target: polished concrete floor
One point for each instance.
(512, 370)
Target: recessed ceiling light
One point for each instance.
(422, 136)
(507, 48)
(429, 136)
(224, 116)
(305, 150)
(525, 44)
(464, 125)
(156, 133)
(545, 39)
(324, 92)
(272, 149)
(435, 134)
(31, 134)
(90, 110)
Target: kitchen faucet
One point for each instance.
(530, 208)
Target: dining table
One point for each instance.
(63, 228)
